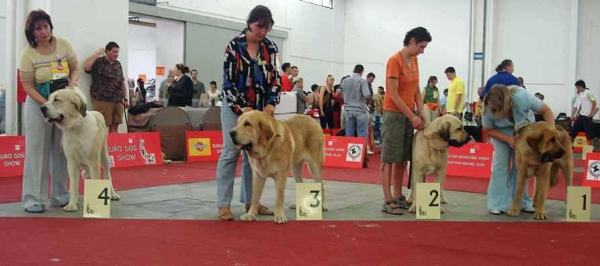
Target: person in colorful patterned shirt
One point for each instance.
(250, 82)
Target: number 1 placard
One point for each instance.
(96, 198)
(579, 201)
(428, 201)
(308, 201)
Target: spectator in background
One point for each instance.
(378, 101)
(443, 99)
(539, 117)
(199, 88)
(2, 110)
(163, 91)
(295, 73)
(585, 106)
(326, 103)
(181, 92)
(503, 76)
(456, 90)
(142, 90)
(356, 104)
(214, 95)
(431, 100)
(286, 83)
(521, 82)
(313, 97)
(301, 97)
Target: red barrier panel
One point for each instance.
(203, 146)
(344, 152)
(592, 170)
(12, 155)
(471, 160)
(134, 149)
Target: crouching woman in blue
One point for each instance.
(505, 110)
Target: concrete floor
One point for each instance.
(346, 201)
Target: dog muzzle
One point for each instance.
(56, 120)
(546, 158)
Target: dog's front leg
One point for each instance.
(106, 166)
(280, 182)
(258, 184)
(541, 189)
(418, 177)
(73, 171)
(521, 183)
(440, 175)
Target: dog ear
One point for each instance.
(266, 130)
(444, 131)
(534, 139)
(82, 107)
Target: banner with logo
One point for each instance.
(592, 171)
(579, 142)
(344, 151)
(203, 146)
(471, 160)
(12, 155)
(134, 149)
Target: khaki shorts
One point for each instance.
(112, 111)
(397, 137)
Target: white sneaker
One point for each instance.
(495, 211)
(528, 209)
(370, 152)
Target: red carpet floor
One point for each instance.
(150, 176)
(58, 241)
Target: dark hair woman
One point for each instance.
(181, 91)
(503, 76)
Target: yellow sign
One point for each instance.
(60, 69)
(428, 201)
(96, 198)
(580, 141)
(579, 203)
(199, 147)
(309, 201)
(585, 150)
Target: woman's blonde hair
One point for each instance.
(499, 100)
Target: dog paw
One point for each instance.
(115, 197)
(280, 219)
(247, 217)
(513, 212)
(292, 206)
(412, 209)
(71, 207)
(325, 208)
(85, 174)
(410, 200)
(441, 210)
(540, 216)
(443, 200)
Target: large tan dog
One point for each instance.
(274, 148)
(540, 151)
(430, 152)
(84, 139)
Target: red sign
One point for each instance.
(471, 160)
(344, 151)
(12, 155)
(335, 131)
(134, 149)
(327, 132)
(203, 146)
(591, 175)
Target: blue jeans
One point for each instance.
(357, 123)
(227, 165)
(377, 127)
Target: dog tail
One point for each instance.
(554, 175)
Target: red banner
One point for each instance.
(344, 151)
(591, 174)
(203, 146)
(327, 132)
(12, 155)
(471, 160)
(134, 149)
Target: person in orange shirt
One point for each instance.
(399, 119)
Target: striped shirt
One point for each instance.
(36, 67)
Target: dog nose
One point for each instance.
(44, 109)
(232, 135)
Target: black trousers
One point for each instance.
(582, 123)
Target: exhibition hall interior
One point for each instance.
(296, 132)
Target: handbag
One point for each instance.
(58, 84)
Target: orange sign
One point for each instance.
(471, 160)
(143, 77)
(591, 176)
(203, 146)
(344, 151)
(160, 70)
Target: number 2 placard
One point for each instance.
(308, 201)
(428, 201)
(96, 198)
(579, 201)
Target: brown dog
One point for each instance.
(430, 152)
(540, 151)
(274, 148)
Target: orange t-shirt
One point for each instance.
(408, 81)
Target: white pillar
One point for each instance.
(488, 56)
(572, 53)
(11, 68)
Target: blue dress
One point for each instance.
(502, 189)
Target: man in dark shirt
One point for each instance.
(108, 85)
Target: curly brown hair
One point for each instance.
(35, 17)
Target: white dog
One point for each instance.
(84, 139)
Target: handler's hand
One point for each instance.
(269, 109)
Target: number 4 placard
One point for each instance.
(579, 201)
(428, 201)
(96, 198)
(308, 201)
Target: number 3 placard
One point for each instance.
(579, 201)
(428, 201)
(308, 201)
(96, 198)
